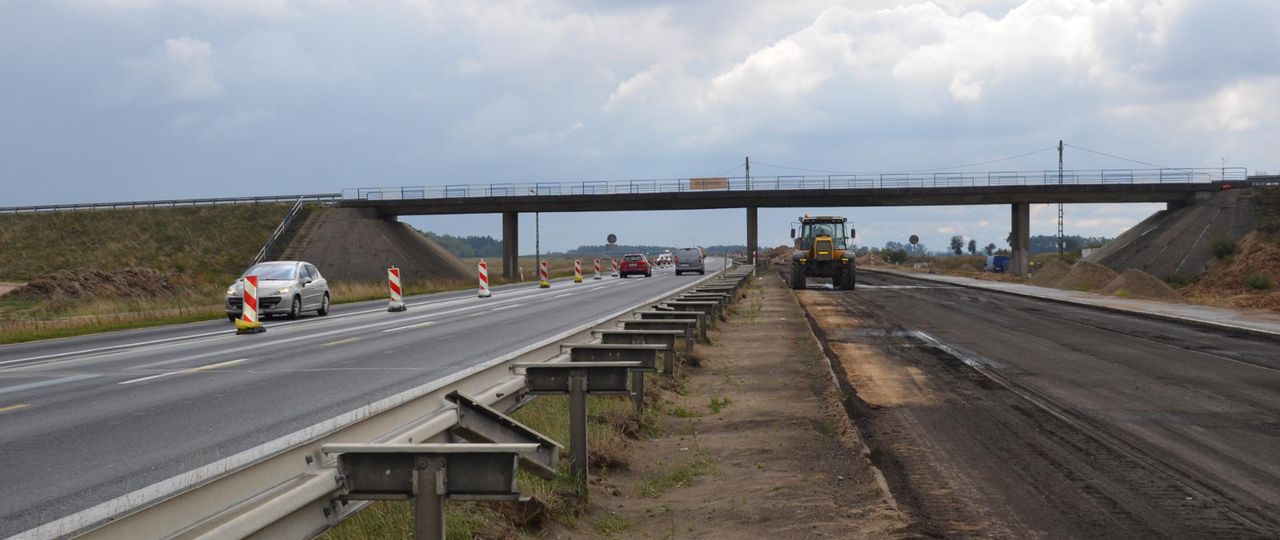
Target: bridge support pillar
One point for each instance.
(1020, 261)
(510, 244)
(752, 232)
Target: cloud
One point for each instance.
(183, 68)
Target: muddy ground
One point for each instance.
(755, 445)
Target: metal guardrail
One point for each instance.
(324, 198)
(776, 183)
(275, 235)
(287, 488)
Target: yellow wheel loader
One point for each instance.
(822, 250)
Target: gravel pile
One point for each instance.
(135, 282)
(1134, 283)
(1049, 273)
(1086, 276)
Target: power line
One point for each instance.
(1116, 157)
(729, 170)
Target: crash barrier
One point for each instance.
(248, 322)
(397, 293)
(646, 355)
(543, 276)
(667, 339)
(597, 276)
(291, 487)
(484, 280)
(577, 270)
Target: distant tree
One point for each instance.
(991, 249)
(895, 246)
(894, 256)
(973, 247)
(957, 244)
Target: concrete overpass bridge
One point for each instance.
(1018, 189)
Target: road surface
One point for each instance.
(1001, 415)
(87, 419)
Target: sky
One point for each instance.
(153, 99)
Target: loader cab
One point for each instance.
(811, 229)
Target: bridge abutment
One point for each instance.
(1020, 260)
(510, 244)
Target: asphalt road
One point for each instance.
(1023, 417)
(87, 419)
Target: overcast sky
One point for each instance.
(145, 99)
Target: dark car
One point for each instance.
(635, 263)
(689, 260)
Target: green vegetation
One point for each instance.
(1222, 247)
(206, 244)
(612, 525)
(1258, 281)
(894, 256)
(718, 403)
(655, 485)
(468, 246)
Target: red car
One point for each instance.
(635, 263)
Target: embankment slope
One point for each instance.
(354, 244)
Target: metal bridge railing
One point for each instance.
(781, 183)
(76, 207)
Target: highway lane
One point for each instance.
(84, 420)
(1193, 412)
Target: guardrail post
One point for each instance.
(578, 426)
(428, 497)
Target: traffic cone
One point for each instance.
(484, 280)
(248, 321)
(397, 298)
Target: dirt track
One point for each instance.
(997, 416)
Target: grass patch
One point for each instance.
(718, 403)
(655, 485)
(1258, 281)
(1222, 247)
(611, 525)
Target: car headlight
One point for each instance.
(283, 290)
(231, 291)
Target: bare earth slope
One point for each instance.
(350, 244)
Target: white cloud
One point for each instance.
(182, 68)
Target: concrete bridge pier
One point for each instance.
(752, 232)
(1020, 260)
(510, 244)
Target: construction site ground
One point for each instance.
(994, 415)
(755, 444)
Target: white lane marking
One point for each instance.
(342, 341)
(861, 286)
(42, 384)
(512, 306)
(191, 370)
(409, 327)
(563, 295)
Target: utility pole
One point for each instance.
(748, 173)
(1062, 240)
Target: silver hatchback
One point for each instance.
(284, 288)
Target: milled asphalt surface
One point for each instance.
(74, 431)
(1103, 424)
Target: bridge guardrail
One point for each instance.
(834, 181)
(208, 201)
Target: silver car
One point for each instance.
(284, 288)
(689, 260)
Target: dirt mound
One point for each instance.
(1086, 276)
(1049, 273)
(1135, 283)
(1255, 255)
(134, 282)
(870, 259)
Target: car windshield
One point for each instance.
(633, 258)
(277, 271)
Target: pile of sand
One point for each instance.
(1255, 255)
(1134, 283)
(133, 282)
(1049, 273)
(1086, 276)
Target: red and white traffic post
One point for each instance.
(614, 272)
(544, 278)
(577, 270)
(484, 280)
(397, 291)
(248, 321)
(597, 269)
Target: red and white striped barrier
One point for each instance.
(614, 272)
(484, 280)
(597, 269)
(544, 280)
(397, 292)
(248, 321)
(577, 270)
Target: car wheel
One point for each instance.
(677, 272)
(295, 310)
(648, 274)
(702, 272)
(324, 306)
(231, 317)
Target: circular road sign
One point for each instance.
(914, 239)
(613, 238)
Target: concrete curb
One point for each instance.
(1203, 323)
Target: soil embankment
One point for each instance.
(351, 244)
